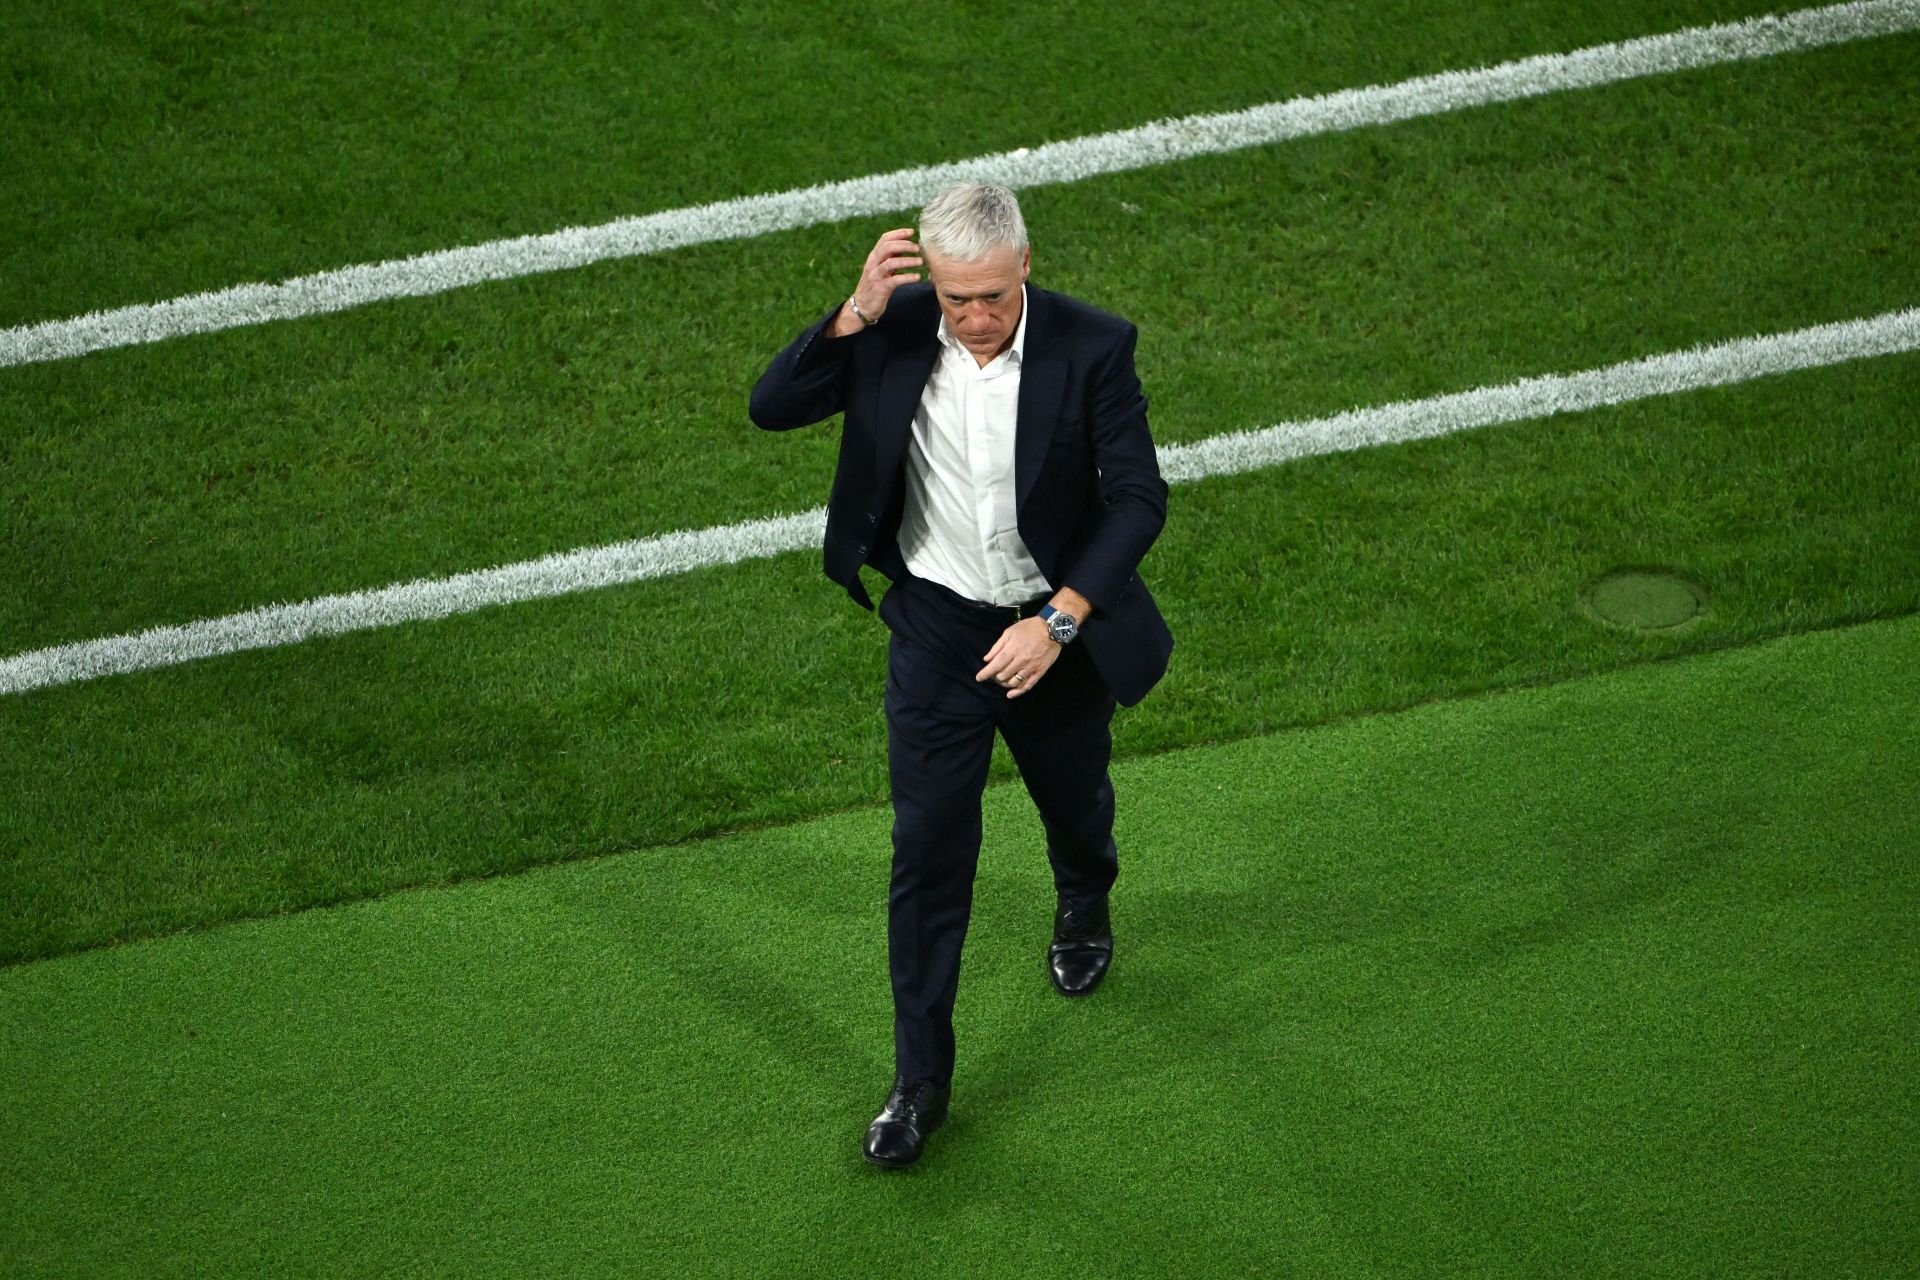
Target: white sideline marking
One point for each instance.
(1230, 454)
(1053, 162)
(1712, 366)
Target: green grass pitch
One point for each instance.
(1599, 971)
(1609, 977)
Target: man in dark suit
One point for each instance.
(995, 463)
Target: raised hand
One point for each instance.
(890, 265)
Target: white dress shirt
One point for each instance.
(958, 526)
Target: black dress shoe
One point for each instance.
(1082, 948)
(898, 1133)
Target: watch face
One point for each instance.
(1062, 628)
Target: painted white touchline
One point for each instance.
(1054, 162)
(1542, 397)
(1230, 454)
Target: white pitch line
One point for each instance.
(1054, 162)
(1712, 366)
(1231, 454)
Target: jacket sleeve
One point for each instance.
(1130, 486)
(803, 385)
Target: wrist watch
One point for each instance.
(1060, 626)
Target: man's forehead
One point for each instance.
(997, 271)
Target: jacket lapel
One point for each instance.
(1043, 381)
(902, 380)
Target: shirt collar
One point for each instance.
(1017, 352)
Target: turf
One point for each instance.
(170, 147)
(207, 475)
(1611, 977)
(197, 477)
(566, 728)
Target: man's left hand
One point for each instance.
(1023, 654)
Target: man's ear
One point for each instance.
(1026, 264)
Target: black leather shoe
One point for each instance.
(898, 1133)
(1082, 948)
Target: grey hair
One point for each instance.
(963, 222)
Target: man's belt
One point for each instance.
(1027, 609)
(1015, 612)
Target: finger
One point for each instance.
(998, 664)
(1026, 685)
(1007, 649)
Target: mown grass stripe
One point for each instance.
(1233, 453)
(1629, 949)
(1067, 161)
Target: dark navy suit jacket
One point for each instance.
(1087, 484)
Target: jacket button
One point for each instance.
(873, 518)
(863, 550)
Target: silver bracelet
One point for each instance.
(864, 318)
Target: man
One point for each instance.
(995, 463)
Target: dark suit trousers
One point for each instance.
(940, 727)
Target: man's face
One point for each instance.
(981, 300)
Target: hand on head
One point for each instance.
(890, 265)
